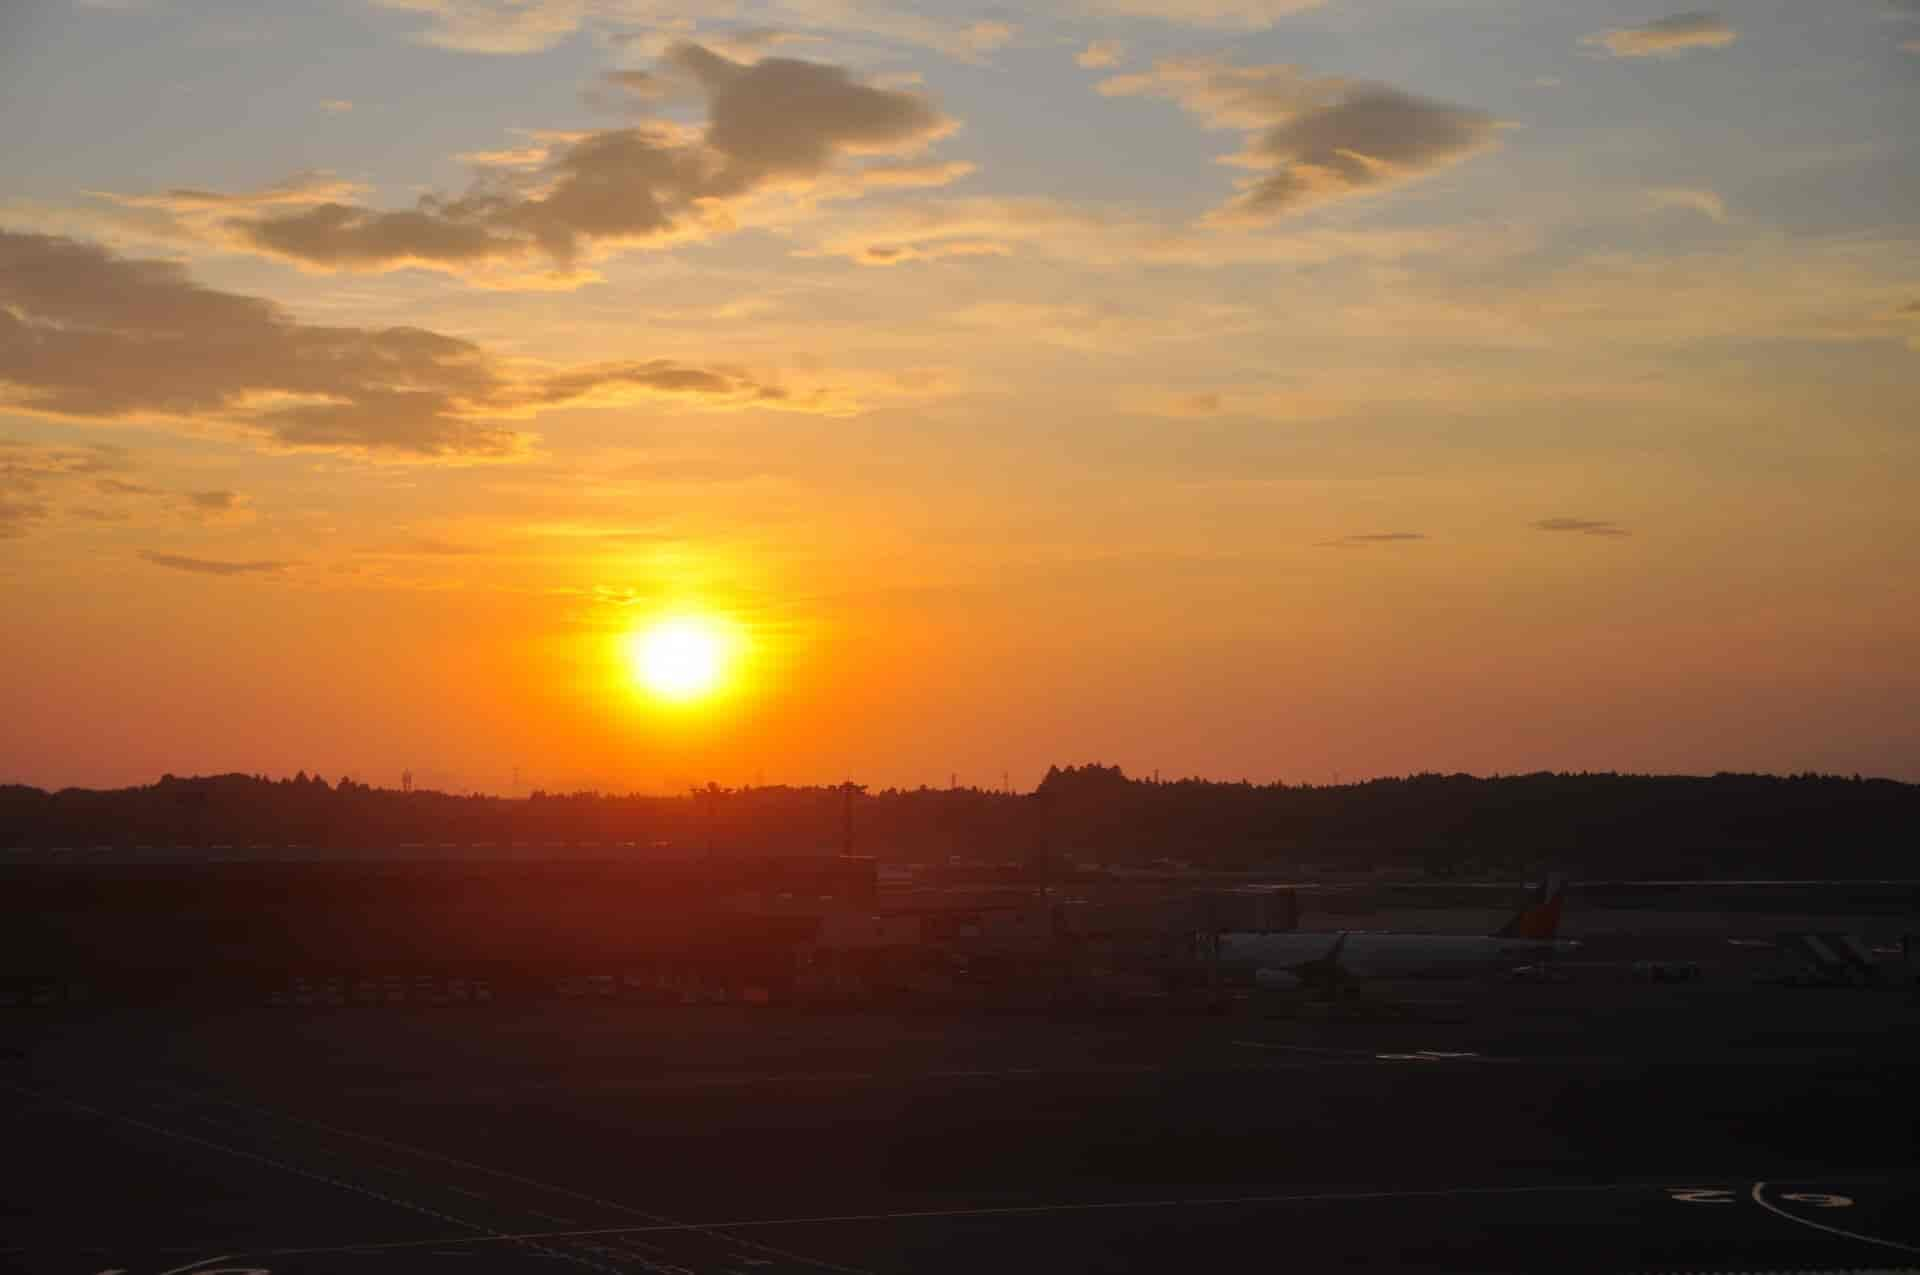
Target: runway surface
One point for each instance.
(1705, 1128)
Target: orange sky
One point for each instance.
(1272, 389)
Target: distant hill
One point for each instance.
(1595, 824)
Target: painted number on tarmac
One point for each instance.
(1699, 1195)
(1820, 1200)
(1720, 1195)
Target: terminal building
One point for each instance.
(631, 925)
(167, 931)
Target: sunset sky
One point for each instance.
(1285, 389)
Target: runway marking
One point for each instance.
(1820, 1199)
(1306, 1049)
(1760, 1198)
(1007, 1210)
(296, 1170)
(664, 1223)
(1700, 1195)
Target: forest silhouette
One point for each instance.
(1079, 816)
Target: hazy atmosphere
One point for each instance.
(608, 392)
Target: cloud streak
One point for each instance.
(1666, 37)
(1312, 139)
(975, 229)
(1372, 538)
(1581, 526)
(213, 567)
(506, 27)
(1247, 15)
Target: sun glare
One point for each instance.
(680, 659)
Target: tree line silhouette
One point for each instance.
(1598, 823)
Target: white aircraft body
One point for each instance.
(1297, 958)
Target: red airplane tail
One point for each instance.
(1541, 920)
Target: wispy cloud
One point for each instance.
(213, 567)
(31, 474)
(1705, 202)
(1582, 526)
(963, 229)
(1101, 53)
(1666, 37)
(1246, 15)
(507, 27)
(336, 106)
(18, 516)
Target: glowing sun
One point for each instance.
(681, 658)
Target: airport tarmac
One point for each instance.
(1596, 1126)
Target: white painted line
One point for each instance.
(297, 1171)
(257, 1158)
(662, 1223)
(1306, 1049)
(182, 1270)
(1009, 1210)
(1759, 1197)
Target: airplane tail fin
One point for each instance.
(1540, 920)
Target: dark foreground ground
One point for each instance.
(1594, 1126)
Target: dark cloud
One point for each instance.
(212, 567)
(1375, 137)
(1316, 138)
(338, 236)
(1582, 526)
(212, 501)
(783, 117)
(85, 334)
(1665, 37)
(774, 124)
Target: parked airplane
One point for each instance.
(1322, 961)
